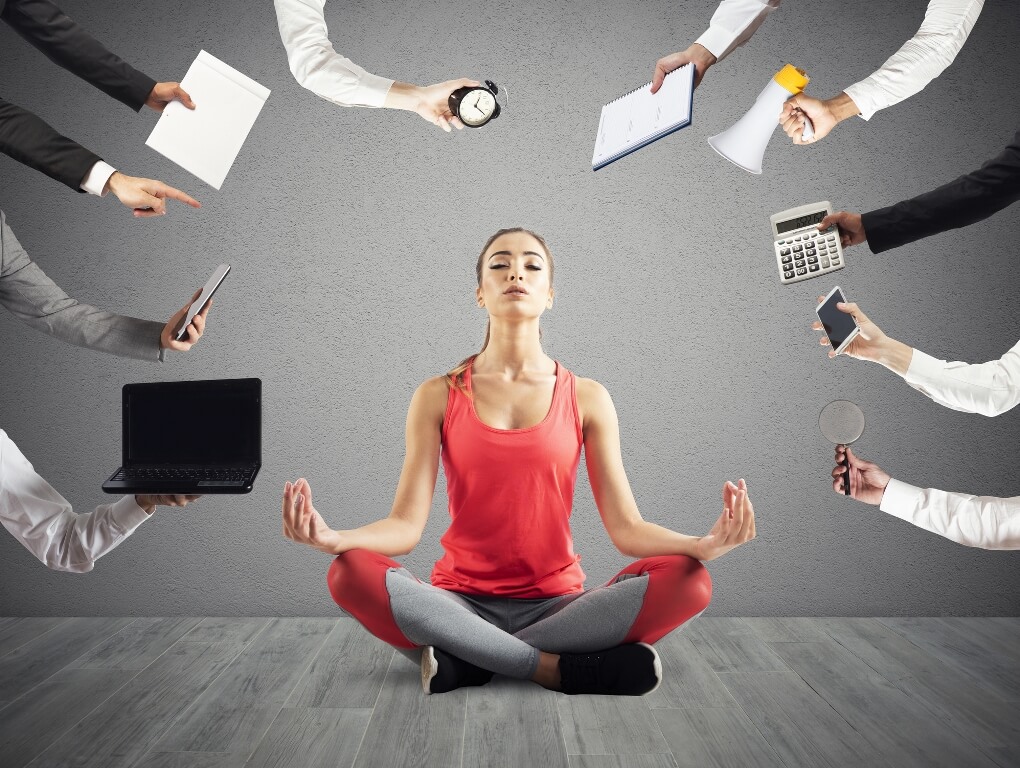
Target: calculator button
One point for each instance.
(825, 263)
(813, 267)
(802, 271)
(812, 260)
(787, 259)
(788, 275)
(784, 252)
(831, 239)
(810, 252)
(798, 248)
(799, 263)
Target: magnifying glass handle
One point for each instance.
(846, 475)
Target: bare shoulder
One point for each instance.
(593, 401)
(428, 404)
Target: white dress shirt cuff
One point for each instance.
(127, 514)
(95, 180)
(717, 41)
(863, 95)
(900, 500)
(373, 89)
(924, 369)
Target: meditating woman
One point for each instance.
(508, 595)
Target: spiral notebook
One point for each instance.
(640, 117)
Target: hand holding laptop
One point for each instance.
(149, 503)
(167, 338)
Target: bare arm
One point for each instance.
(400, 532)
(630, 533)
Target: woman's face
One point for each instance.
(515, 277)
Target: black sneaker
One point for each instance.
(441, 672)
(626, 670)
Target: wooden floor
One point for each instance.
(225, 693)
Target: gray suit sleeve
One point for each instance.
(28, 294)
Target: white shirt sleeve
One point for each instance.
(987, 388)
(985, 522)
(42, 520)
(733, 23)
(95, 180)
(318, 67)
(946, 26)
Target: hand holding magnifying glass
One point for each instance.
(842, 423)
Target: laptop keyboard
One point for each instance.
(203, 476)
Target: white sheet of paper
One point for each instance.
(205, 141)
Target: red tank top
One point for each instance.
(511, 492)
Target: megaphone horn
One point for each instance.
(744, 144)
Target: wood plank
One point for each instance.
(191, 760)
(27, 666)
(219, 629)
(16, 632)
(137, 646)
(687, 679)
(729, 645)
(43, 714)
(799, 724)
(1006, 757)
(963, 650)
(512, 723)
(996, 637)
(233, 714)
(121, 730)
(786, 629)
(616, 761)
(604, 725)
(348, 671)
(899, 727)
(312, 738)
(952, 695)
(715, 738)
(409, 728)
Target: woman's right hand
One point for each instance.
(734, 527)
(301, 523)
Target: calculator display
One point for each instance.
(800, 221)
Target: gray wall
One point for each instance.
(353, 235)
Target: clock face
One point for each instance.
(477, 107)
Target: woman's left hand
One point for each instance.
(734, 527)
(302, 523)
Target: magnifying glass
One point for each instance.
(842, 423)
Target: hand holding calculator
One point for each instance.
(802, 250)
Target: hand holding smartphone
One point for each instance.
(840, 327)
(207, 293)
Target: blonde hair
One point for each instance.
(455, 376)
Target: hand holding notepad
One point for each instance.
(640, 117)
(205, 141)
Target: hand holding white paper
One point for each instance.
(205, 141)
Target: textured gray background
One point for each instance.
(353, 235)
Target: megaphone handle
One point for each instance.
(846, 475)
(809, 129)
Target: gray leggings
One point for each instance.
(504, 635)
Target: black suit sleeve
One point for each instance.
(65, 43)
(30, 140)
(970, 198)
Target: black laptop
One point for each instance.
(190, 437)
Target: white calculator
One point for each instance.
(802, 251)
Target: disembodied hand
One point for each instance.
(869, 344)
(800, 106)
(301, 523)
(168, 336)
(149, 503)
(867, 479)
(849, 225)
(431, 102)
(163, 93)
(734, 527)
(146, 196)
(701, 57)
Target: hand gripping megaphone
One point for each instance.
(744, 144)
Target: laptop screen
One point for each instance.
(193, 422)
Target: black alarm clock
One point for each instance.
(475, 105)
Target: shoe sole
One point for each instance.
(656, 667)
(429, 668)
